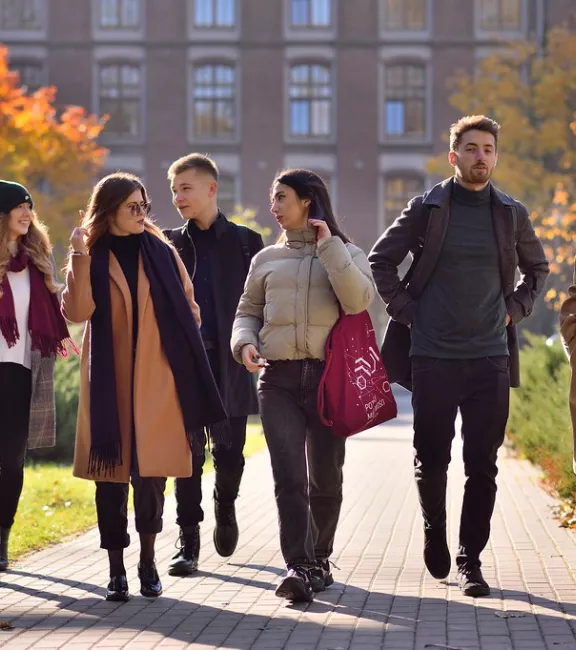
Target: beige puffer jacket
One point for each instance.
(291, 295)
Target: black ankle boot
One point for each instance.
(185, 560)
(226, 530)
(150, 585)
(436, 552)
(4, 535)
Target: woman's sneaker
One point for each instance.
(295, 586)
(321, 576)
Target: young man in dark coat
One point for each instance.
(452, 337)
(217, 255)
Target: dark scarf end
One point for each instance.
(104, 459)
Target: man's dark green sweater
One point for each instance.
(461, 313)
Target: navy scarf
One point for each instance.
(181, 342)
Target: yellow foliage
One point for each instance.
(56, 155)
(247, 217)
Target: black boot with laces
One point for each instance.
(185, 561)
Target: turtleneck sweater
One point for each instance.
(461, 313)
(126, 249)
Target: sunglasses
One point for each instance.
(137, 209)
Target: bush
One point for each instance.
(539, 425)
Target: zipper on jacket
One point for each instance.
(307, 293)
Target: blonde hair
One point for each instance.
(193, 161)
(36, 243)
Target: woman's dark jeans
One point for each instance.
(307, 460)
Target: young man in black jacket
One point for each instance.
(217, 255)
(452, 337)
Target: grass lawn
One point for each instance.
(55, 504)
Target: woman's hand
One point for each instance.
(322, 231)
(251, 358)
(77, 241)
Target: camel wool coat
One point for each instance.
(161, 442)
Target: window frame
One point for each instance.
(26, 33)
(122, 138)
(191, 119)
(310, 138)
(406, 137)
(18, 61)
(508, 34)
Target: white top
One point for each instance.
(22, 352)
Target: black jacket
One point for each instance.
(420, 230)
(236, 246)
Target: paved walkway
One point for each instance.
(382, 598)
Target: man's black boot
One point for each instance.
(4, 535)
(436, 552)
(185, 560)
(226, 530)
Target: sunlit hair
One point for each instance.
(36, 243)
(107, 197)
(308, 185)
(473, 123)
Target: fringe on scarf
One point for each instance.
(104, 459)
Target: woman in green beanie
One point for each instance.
(32, 333)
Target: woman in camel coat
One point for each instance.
(145, 382)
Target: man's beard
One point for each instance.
(477, 175)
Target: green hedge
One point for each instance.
(539, 426)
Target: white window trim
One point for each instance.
(120, 56)
(385, 139)
(214, 33)
(482, 34)
(41, 34)
(406, 34)
(311, 34)
(114, 35)
(198, 57)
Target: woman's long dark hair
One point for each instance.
(108, 195)
(308, 185)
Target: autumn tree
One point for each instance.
(247, 217)
(531, 92)
(53, 153)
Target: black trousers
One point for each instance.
(112, 509)
(228, 466)
(15, 395)
(228, 463)
(307, 460)
(480, 388)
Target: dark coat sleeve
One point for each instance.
(401, 238)
(534, 269)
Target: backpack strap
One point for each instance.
(243, 235)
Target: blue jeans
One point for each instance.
(307, 460)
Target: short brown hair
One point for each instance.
(193, 161)
(472, 123)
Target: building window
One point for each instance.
(21, 15)
(398, 191)
(120, 99)
(405, 15)
(500, 15)
(405, 100)
(310, 100)
(214, 102)
(310, 13)
(119, 14)
(227, 194)
(210, 14)
(31, 74)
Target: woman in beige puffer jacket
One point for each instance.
(290, 303)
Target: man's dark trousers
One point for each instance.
(480, 388)
(228, 465)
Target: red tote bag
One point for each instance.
(354, 392)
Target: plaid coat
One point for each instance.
(42, 428)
